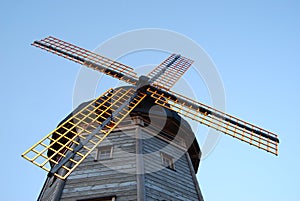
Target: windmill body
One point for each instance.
(133, 168)
(67, 152)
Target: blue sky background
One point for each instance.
(254, 44)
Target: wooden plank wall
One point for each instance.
(97, 179)
(117, 176)
(167, 184)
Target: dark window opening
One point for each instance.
(167, 161)
(109, 198)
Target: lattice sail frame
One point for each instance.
(78, 128)
(88, 59)
(218, 120)
(166, 74)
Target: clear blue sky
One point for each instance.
(254, 44)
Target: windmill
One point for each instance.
(66, 147)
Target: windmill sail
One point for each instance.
(216, 119)
(88, 58)
(71, 142)
(169, 71)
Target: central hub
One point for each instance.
(143, 81)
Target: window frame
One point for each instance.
(106, 198)
(167, 161)
(104, 148)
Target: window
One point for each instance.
(104, 153)
(167, 161)
(110, 198)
